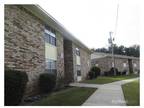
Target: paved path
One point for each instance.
(85, 85)
(110, 94)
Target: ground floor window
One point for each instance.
(51, 66)
(78, 68)
(78, 73)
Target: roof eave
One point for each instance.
(49, 20)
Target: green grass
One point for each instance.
(131, 93)
(108, 79)
(70, 97)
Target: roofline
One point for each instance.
(49, 20)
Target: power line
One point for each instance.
(116, 21)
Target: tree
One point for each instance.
(133, 50)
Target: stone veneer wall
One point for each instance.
(68, 60)
(85, 63)
(74, 61)
(25, 46)
(105, 64)
(84, 59)
(60, 60)
(137, 68)
(119, 64)
(24, 43)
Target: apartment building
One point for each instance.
(123, 63)
(37, 43)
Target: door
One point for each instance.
(79, 75)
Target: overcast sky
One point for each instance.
(90, 21)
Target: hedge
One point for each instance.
(15, 83)
(94, 72)
(47, 82)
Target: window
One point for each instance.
(51, 66)
(78, 68)
(50, 37)
(77, 52)
(78, 73)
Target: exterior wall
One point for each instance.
(119, 63)
(105, 64)
(74, 61)
(71, 62)
(60, 60)
(85, 63)
(136, 68)
(84, 59)
(68, 60)
(24, 44)
(25, 49)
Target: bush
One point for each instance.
(91, 75)
(47, 82)
(94, 72)
(111, 72)
(124, 72)
(106, 73)
(15, 83)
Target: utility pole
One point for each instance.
(112, 39)
(112, 48)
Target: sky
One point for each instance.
(90, 21)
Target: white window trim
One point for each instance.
(50, 33)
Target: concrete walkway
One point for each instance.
(110, 94)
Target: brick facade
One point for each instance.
(70, 61)
(24, 43)
(84, 59)
(121, 63)
(25, 48)
(60, 60)
(85, 63)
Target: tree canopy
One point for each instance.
(133, 50)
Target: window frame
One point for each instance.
(51, 66)
(50, 36)
(78, 72)
(77, 51)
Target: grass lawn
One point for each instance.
(131, 93)
(70, 97)
(108, 79)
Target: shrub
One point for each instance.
(96, 71)
(47, 82)
(91, 74)
(124, 72)
(106, 73)
(15, 83)
(111, 72)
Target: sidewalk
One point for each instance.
(110, 94)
